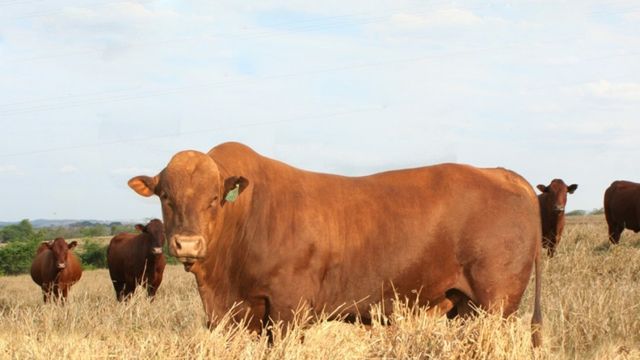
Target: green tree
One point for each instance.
(16, 256)
(21, 231)
(94, 255)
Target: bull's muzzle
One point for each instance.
(156, 251)
(187, 248)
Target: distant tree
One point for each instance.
(21, 231)
(16, 256)
(576, 213)
(94, 255)
(599, 211)
(117, 229)
(95, 230)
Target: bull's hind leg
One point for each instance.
(460, 304)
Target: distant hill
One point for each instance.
(40, 223)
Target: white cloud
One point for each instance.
(10, 170)
(633, 16)
(68, 169)
(453, 16)
(612, 91)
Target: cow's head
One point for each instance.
(557, 194)
(193, 194)
(156, 231)
(60, 249)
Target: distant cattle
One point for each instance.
(622, 208)
(265, 235)
(137, 259)
(55, 268)
(553, 200)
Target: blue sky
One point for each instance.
(95, 92)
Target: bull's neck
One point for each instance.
(226, 247)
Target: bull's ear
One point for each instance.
(233, 187)
(47, 243)
(144, 185)
(139, 227)
(542, 188)
(72, 244)
(571, 188)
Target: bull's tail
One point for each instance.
(536, 319)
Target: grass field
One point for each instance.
(591, 306)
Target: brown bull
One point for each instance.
(55, 268)
(260, 232)
(137, 259)
(553, 200)
(622, 208)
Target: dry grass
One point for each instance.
(591, 302)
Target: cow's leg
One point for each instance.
(64, 291)
(615, 230)
(46, 292)
(118, 286)
(130, 284)
(56, 293)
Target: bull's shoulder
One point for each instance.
(233, 149)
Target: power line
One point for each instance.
(221, 84)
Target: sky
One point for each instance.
(95, 92)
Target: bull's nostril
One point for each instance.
(178, 245)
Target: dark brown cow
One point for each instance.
(137, 259)
(622, 208)
(257, 231)
(55, 268)
(553, 200)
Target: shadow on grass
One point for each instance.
(605, 247)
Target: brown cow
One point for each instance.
(260, 232)
(55, 268)
(553, 200)
(137, 259)
(622, 208)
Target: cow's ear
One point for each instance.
(144, 185)
(233, 187)
(571, 188)
(49, 244)
(542, 188)
(72, 245)
(139, 227)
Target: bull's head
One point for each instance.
(60, 249)
(557, 191)
(156, 230)
(193, 194)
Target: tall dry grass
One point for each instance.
(591, 297)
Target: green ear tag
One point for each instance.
(233, 194)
